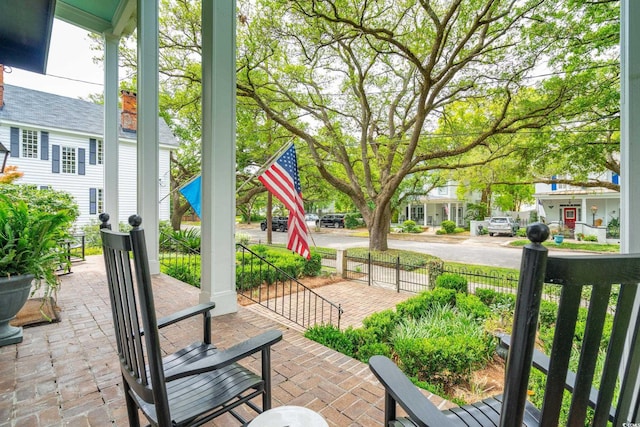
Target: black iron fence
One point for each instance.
(481, 278)
(389, 271)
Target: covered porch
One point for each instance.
(67, 373)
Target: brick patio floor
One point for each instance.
(67, 373)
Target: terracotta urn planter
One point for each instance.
(14, 292)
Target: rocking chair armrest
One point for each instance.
(185, 314)
(402, 391)
(225, 357)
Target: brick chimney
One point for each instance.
(129, 115)
(1, 86)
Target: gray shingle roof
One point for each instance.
(41, 109)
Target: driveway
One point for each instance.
(482, 250)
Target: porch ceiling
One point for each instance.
(25, 26)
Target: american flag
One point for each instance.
(282, 180)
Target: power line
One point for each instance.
(75, 80)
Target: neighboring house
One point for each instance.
(57, 142)
(437, 205)
(582, 209)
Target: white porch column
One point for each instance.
(583, 217)
(148, 130)
(218, 155)
(424, 216)
(409, 211)
(630, 152)
(111, 130)
(630, 126)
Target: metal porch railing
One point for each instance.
(265, 284)
(257, 280)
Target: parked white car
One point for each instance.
(502, 225)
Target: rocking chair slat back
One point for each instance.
(194, 384)
(595, 313)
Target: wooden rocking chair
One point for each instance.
(193, 385)
(573, 274)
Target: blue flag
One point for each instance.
(192, 192)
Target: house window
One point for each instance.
(442, 191)
(100, 152)
(30, 144)
(68, 160)
(100, 201)
(96, 203)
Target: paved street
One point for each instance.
(483, 250)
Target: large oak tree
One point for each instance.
(366, 84)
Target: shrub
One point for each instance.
(441, 297)
(448, 226)
(472, 305)
(452, 281)
(416, 307)
(45, 200)
(441, 231)
(248, 279)
(413, 307)
(487, 296)
(381, 324)
(353, 220)
(183, 272)
(444, 346)
(313, 266)
(331, 337)
(189, 237)
(243, 238)
(521, 232)
(548, 313)
(590, 238)
(490, 297)
(459, 230)
(410, 226)
(372, 349)
(92, 237)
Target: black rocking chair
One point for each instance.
(193, 385)
(574, 274)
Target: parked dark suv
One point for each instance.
(279, 223)
(332, 220)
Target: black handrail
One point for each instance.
(278, 291)
(285, 296)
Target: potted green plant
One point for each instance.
(558, 235)
(30, 253)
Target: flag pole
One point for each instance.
(179, 188)
(265, 165)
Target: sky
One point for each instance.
(70, 68)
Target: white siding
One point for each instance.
(127, 186)
(39, 172)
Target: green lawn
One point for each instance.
(582, 246)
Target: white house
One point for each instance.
(437, 205)
(57, 142)
(586, 210)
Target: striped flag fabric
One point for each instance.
(283, 181)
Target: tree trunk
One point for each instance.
(177, 212)
(379, 229)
